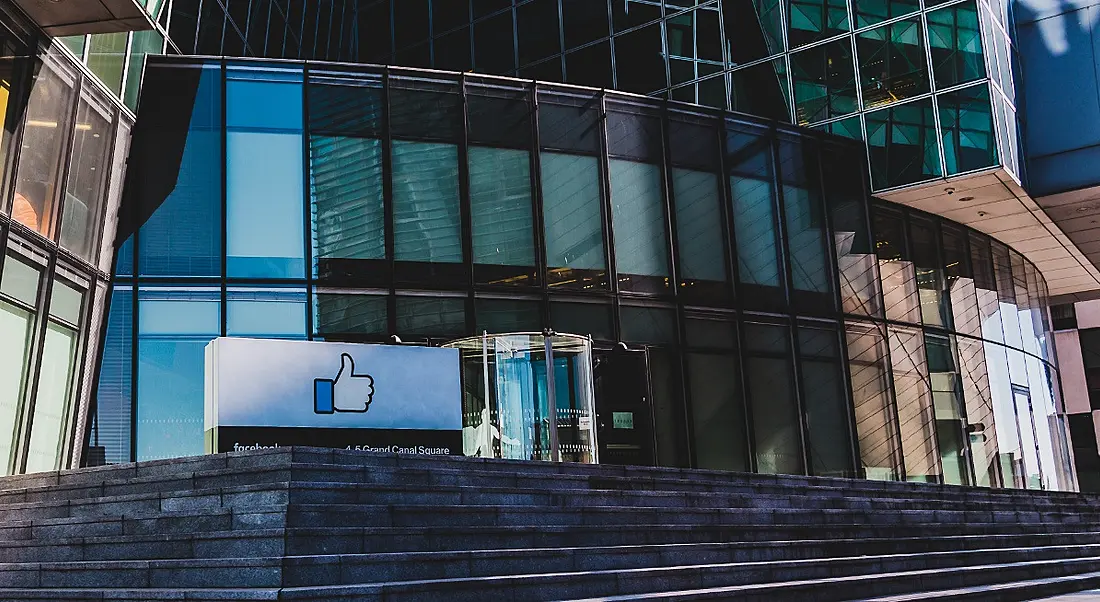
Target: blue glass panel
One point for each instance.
(111, 429)
(174, 327)
(266, 313)
(183, 236)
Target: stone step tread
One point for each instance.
(1068, 583)
(139, 594)
(302, 560)
(503, 581)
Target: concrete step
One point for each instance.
(1030, 589)
(186, 521)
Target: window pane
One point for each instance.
(903, 145)
(114, 396)
(336, 314)
(804, 214)
(348, 214)
(501, 215)
(718, 412)
(934, 309)
(813, 20)
(65, 303)
(431, 316)
(537, 24)
(174, 327)
(892, 63)
(494, 45)
(966, 119)
(44, 133)
(639, 64)
(266, 313)
(425, 202)
(956, 44)
(15, 335)
(762, 90)
(918, 435)
(497, 316)
(951, 428)
(872, 401)
(641, 245)
(899, 278)
(82, 216)
(583, 21)
(754, 29)
(20, 281)
(845, 199)
(144, 43)
(829, 434)
(648, 325)
(869, 12)
(106, 56)
(51, 404)
(572, 220)
(775, 414)
(585, 319)
(977, 397)
(699, 226)
(824, 82)
(754, 219)
(194, 204)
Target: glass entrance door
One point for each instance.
(623, 411)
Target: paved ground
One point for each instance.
(1092, 595)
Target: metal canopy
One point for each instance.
(77, 17)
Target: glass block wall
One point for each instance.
(926, 83)
(790, 323)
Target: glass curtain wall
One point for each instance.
(784, 321)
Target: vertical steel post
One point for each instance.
(551, 396)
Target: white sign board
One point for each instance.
(265, 392)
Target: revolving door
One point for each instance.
(528, 397)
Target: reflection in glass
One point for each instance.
(916, 420)
(431, 316)
(752, 185)
(641, 249)
(827, 422)
(426, 224)
(892, 63)
(956, 44)
(106, 57)
(813, 20)
(845, 199)
(144, 42)
(45, 130)
(824, 82)
(174, 326)
(699, 227)
(340, 314)
(754, 29)
(872, 401)
(346, 204)
(506, 315)
(51, 404)
(869, 12)
(265, 313)
(501, 216)
(951, 427)
(899, 278)
(762, 90)
(571, 218)
(15, 336)
(925, 243)
(804, 216)
(82, 212)
(717, 411)
(775, 414)
(966, 119)
(902, 143)
(264, 184)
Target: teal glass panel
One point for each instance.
(144, 42)
(754, 210)
(956, 44)
(699, 225)
(753, 29)
(572, 219)
(848, 127)
(813, 20)
(426, 225)
(349, 220)
(65, 302)
(638, 216)
(338, 314)
(966, 119)
(824, 82)
(106, 58)
(75, 43)
(892, 63)
(902, 144)
(804, 215)
(500, 206)
(869, 12)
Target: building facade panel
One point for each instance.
(786, 322)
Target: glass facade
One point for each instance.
(62, 156)
(777, 318)
(928, 80)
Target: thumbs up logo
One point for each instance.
(348, 392)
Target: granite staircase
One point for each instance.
(320, 525)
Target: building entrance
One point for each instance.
(624, 414)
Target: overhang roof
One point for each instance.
(76, 17)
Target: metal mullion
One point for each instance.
(24, 415)
(67, 444)
(603, 161)
(64, 163)
(307, 213)
(126, 64)
(224, 164)
(464, 209)
(538, 218)
(387, 200)
(931, 79)
(672, 245)
(746, 405)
